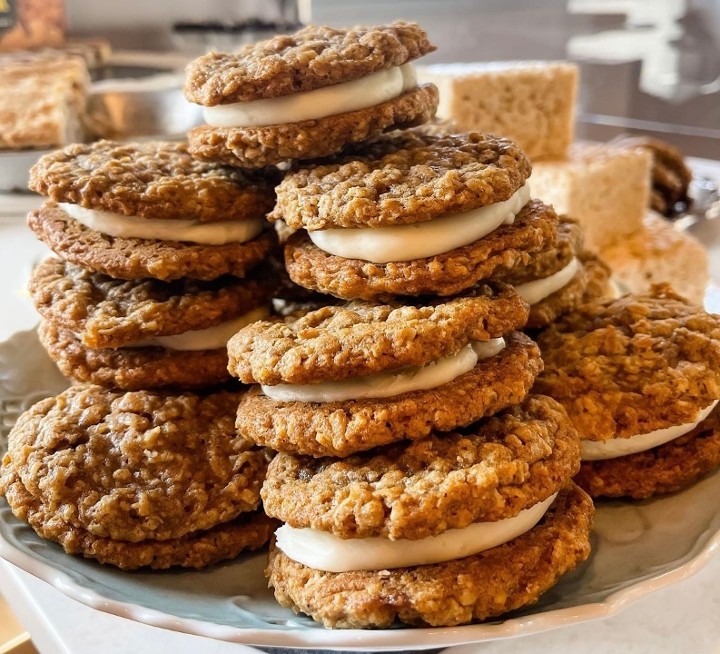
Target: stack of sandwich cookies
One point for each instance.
(640, 379)
(140, 210)
(137, 479)
(143, 334)
(411, 214)
(343, 379)
(441, 531)
(309, 94)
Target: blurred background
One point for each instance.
(650, 65)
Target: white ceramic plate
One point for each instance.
(637, 548)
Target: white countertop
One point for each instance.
(684, 617)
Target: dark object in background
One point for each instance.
(671, 176)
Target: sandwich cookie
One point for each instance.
(309, 94)
(557, 279)
(412, 214)
(137, 479)
(143, 334)
(442, 531)
(640, 379)
(136, 210)
(344, 379)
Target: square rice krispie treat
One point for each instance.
(530, 102)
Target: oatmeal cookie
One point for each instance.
(249, 531)
(361, 338)
(599, 284)
(254, 147)
(310, 59)
(150, 180)
(476, 587)
(489, 471)
(136, 466)
(134, 258)
(664, 469)
(632, 365)
(343, 428)
(504, 248)
(108, 313)
(402, 178)
(133, 368)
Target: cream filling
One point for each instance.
(420, 240)
(176, 229)
(367, 91)
(321, 550)
(615, 447)
(392, 382)
(210, 338)
(538, 289)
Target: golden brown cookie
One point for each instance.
(108, 313)
(477, 587)
(361, 338)
(507, 247)
(402, 178)
(133, 368)
(134, 258)
(249, 531)
(486, 472)
(633, 365)
(135, 466)
(312, 58)
(255, 147)
(150, 180)
(343, 428)
(664, 469)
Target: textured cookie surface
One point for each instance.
(632, 365)
(508, 246)
(476, 587)
(310, 59)
(133, 368)
(664, 469)
(150, 180)
(550, 308)
(107, 312)
(227, 540)
(134, 258)
(254, 147)
(361, 338)
(402, 178)
(126, 466)
(489, 471)
(343, 428)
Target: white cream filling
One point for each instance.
(615, 447)
(321, 550)
(420, 240)
(538, 289)
(210, 338)
(176, 229)
(392, 382)
(367, 91)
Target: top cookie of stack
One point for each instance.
(309, 94)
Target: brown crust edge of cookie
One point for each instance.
(477, 587)
(133, 369)
(255, 147)
(550, 308)
(664, 469)
(340, 429)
